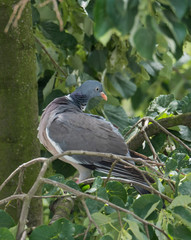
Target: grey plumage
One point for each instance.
(64, 126)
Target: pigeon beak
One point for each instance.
(103, 96)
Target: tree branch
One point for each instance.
(84, 195)
(153, 129)
(90, 217)
(50, 57)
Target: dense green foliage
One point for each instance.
(140, 50)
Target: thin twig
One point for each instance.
(26, 203)
(119, 217)
(18, 10)
(44, 3)
(170, 134)
(12, 197)
(53, 196)
(55, 4)
(24, 165)
(87, 230)
(16, 14)
(110, 171)
(147, 230)
(135, 141)
(90, 217)
(52, 60)
(24, 235)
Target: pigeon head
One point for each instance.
(86, 91)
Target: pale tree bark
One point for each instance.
(18, 105)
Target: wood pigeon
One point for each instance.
(64, 126)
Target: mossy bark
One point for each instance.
(18, 105)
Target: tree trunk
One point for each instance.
(18, 105)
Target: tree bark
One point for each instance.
(18, 105)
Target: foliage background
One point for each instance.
(138, 50)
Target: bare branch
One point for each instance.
(90, 217)
(26, 203)
(11, 198)
(58, 14)
(110, 171)
(22, 166)
(52, 60)
(18, 10)
(16, 14)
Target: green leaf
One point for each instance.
(5, 234)
(35, 15)
(179, 32)
(180, 201)
(182, 159)
(49, 86)
(106, 237)
(161, 188)
(62, 229)
(97, 60)
(122, 85)
(52, 190)
(6, 220)
(101, 219)
(116, 189)
(185, 188)
(179, 232)
(157, 142)
(72, 184)
(96, 185)
(117, 201)
(101, 27)
(179, 7)
(171, 165)
(93, 205)
(71, 80)
(184, 215)
(184, 105)
(184, 133)
(54, 94)
(51, 31)
(145, 41)
(113, 16)
(42, 232)
(147, 204)
(159, 105)
(102, 193)
(116, 115)
(135, 230)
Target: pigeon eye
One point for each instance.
(97, 89)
